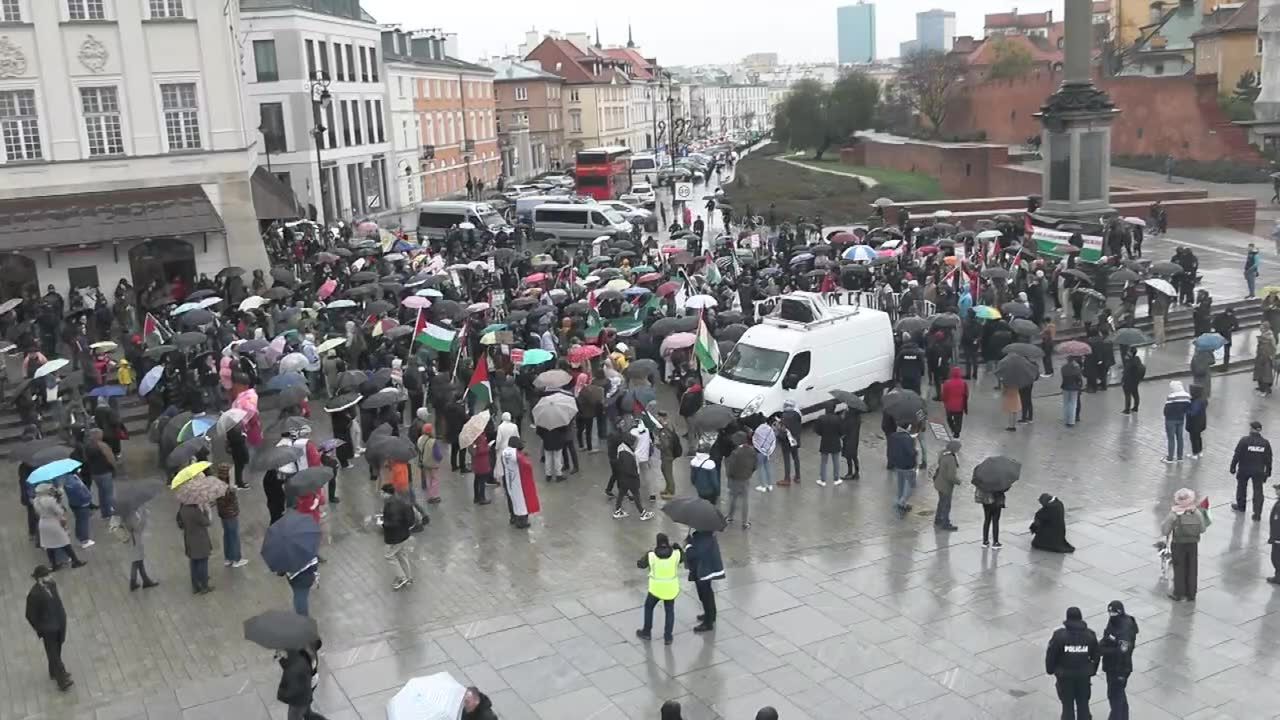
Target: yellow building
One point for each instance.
(1228, 44)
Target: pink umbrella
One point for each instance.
(671, 250)
(417, 302)
(535, 278)
(327, 288)
(367, 228)
(678, 341)
(927, 250)
(579, 353)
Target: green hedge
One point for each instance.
(1218, 171)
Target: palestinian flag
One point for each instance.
(705, 347)
(153, 331)
(711, 270)
(436, 337)
(478, 389)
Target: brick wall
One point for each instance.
(962, 169)
(1177, 115)
(1234, 213)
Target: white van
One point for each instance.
(573, 224)
(804, 351)
(644, 168)
(435, 218)
(526, 204)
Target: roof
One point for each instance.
(1176, 27)
(641, 69)
(135, 214)
(509, 70)
(1015, 20)
(559, 56)
(1040, 50)
(349, 9)
(272, 199)
(1226, 19)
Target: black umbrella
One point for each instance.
(309, 480)
(232, 271)
(1026, 350)
(1130, 337)
(712, 418)
(281, 630)
(186, 452)
(200, 295)
(666, 326)
(642, 369)
(995, 273)
(1091, 294)
(196, 318)
(377, 307)
(46, 455)
(696, 513)
(1166, 268)
(911, 324)
(278, 293)
(850, 399)
(732, 333)
(1124, 275)
(129, 496)
(1078, 274)
(447, 309)
(607, 295)
(274, 457)
(398, 332)
(27, 451)
(1023, 327)
(294, 394)
(729, 317)
(363, 277)
(906, 407)
(351, 379)
(159, 351)
(253, 346)
(283, 275)
(1017, 371)
(1015, 310)
(996, 474)
(190, 339)
(342, 402)
(381, 399)
(945, 320)
(291, 542)
(364, 291)
(390, 448)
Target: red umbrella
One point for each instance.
(649, 277)
(327, 288)
(535, 278)
(1074, 348)
(581, 353)
(668, 288)
(843, 237)
(927, 250)
(671, 250)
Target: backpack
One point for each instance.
(1139, 370)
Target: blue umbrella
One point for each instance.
(860, 253)
(108, 391)
(636, 291)
(286, 380)
(196, 427)
(291, 542)
(150, 380)
(52, 471)
(1211, 342)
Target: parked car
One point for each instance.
(633, 214)
(644, 194)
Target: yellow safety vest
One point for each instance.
(664, 583)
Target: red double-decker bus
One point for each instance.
(603, 173)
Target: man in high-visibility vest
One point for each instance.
(663, 563)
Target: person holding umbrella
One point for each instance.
(299, 669)
(48, 618)
(992, 478)
(903, 460)
(52, 525)
(739, 467)
(702, 558)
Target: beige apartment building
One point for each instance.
(530, 107)
(596, 92)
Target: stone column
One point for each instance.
(1267, 107)
(1078, 42)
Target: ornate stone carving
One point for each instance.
(1077, 97)
(93, 54)
(12, 62)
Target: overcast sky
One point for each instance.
(684, 32)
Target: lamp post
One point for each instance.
(321, 99)
(266, 146)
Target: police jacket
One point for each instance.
(1073, 651)
(910, 362)
(1252, 457)
(1117, 645)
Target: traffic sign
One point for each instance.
(684, 191)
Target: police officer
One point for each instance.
(910, 366)
(1251, 463)
(1072, 657)
(1117, 657)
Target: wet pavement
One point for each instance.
(833, 607)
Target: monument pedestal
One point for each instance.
(1076, 146)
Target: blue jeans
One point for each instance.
(199, 573)
(106, 484)
(668, 610)
(1250, 279)
(301, 585)
(1173, 437)
(763, 474)
(1070, 401)
(231, 539)
(906, 486)
(82, 515)
(834, 460)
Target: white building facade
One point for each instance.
(123, 148)
(294, 53)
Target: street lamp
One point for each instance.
(321, 99)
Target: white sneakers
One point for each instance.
(838, 482)
(240, 563)
(619, 514)
(646, 515)
(821, 482)
(87, 544)
(762, 488)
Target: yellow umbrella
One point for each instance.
(617, 284)
(489, 338)
(1270, 290)
(189, 472)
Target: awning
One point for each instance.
(135, 214)
(272, 199)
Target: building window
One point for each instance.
(86, 10)
(271, 125)
(311, 59)
(364, 64)
(264, 60)
(339, 70)
(166, 9)
(323, 48)
(368, 120)
(351, 63)
(181, 116)
(575, 121)
(373, 63)
(101, 109)
(573, 96)
(332, 126)
(377, 120)
(522, 92)
(355, 122)
(10, 11)
(20, 125)
(346, 124)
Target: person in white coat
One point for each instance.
(646, 453)
(506, 430)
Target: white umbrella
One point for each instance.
(8, 305)
(393, 257)
(294, 362)
(209, 302)
(416, 302)
(51, 367)
(701, 302)
(330, 344)
(477, 307)
(1136, 221)
(617, 284)
(430, 293)
(339, 304)
(230, 419)
(433, 697)
(989, 235)
(185, 307)
(104, 345)
(466, 226)
(1163, 286)
(253, 302)
(942, 214)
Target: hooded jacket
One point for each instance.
(1177, 403)
(955, 393)
(830, 433)
(1073, 651)
(1117, 643)
(946, 473)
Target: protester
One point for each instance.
(946, 477)
(664, 586)
(851, 429)
(299, 670)
(48, 619)
(830, 436)
(398, 519)
(992, 505)
(1183, 526)
(744, 461)
(903, 459)
(955, 401)
(702, 557)
(52, 525)
(1197, 420)
(1116, 646)
(522, 490)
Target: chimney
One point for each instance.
(582, 41)
(451, 45)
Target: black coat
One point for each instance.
(1117, 645)
(852, 429)
(484, 710)
(45, 612)
(830, 433)
(1073, 651)
(295, 678)
(1049, 528)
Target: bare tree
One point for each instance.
(925, 79)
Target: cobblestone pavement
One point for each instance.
(833, 607)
